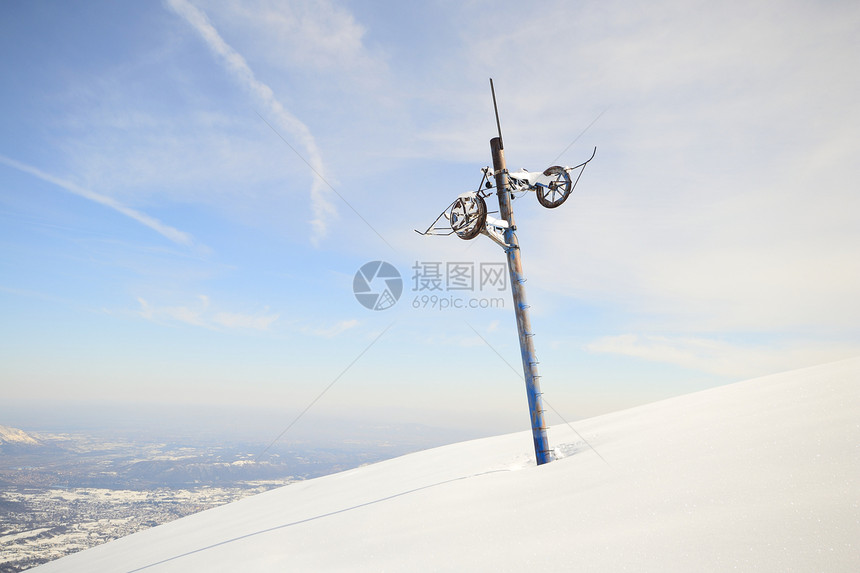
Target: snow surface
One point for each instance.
(761, 475)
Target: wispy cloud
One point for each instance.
(720, 357)
(171, 233)
(244, 321)
(323, 209)
(200, 313)
(338, 328)
(723, 196)
(317, 35)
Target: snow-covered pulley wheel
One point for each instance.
(553, 187)
(468, 215)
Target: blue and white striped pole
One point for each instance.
(524, 330)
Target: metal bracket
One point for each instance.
(495, 230)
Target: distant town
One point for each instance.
(62, 493)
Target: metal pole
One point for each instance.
(524, 329)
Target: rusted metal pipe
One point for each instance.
(524, 329)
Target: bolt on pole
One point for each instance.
(524, 330)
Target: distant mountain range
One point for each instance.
(82, 460)
(14, 436)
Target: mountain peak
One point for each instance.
(15, 436)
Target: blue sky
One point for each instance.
(187, 189)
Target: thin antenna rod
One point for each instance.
(496, 109)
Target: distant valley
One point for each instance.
(64, 492)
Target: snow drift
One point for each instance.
(761, 475)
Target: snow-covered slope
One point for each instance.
(761, 475)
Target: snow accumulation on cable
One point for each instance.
(760, 475)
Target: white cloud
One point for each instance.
(719, 357)
(723, 195)
(193, 156)
(201, 314)
(166, 231)
(753, 263)
(166, 314)
(294, 128)
(336, 329)
(316, 35)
